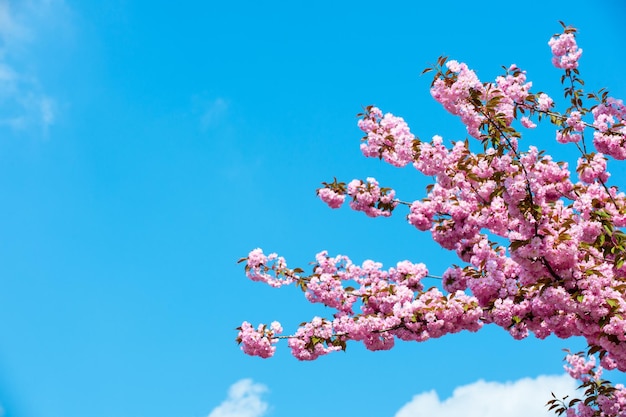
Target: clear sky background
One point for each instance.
(145, 146)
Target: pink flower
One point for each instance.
(544, 102)
(575, 121)
(565, 51)
(563, 137)
(455, 92)
(388, 138)
(258, 342)
(256, 258)
(369, 198)
(330, 197)
(527, 123)
(592, 169)
(579, 367)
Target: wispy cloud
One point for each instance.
(213, 113)
(244, 400)
(10, 29)
(24, 103)
(521, 398)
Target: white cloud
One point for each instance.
(9, 28)
(244, 400)
(521, 398)
(23, 102)
(214, 112)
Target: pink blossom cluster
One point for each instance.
(578, 367)
(565, 51)
(455, 91)
(326, 284)
(575, 121)
(550, 275)
(409, 274)
(387, 137)
(563, 136)
(592, 168)
(539, 252)
(485, 106)
(259, 265)
(259, 342)
(497, 102)
(369, 198)
(607, 138)
(313, 340)
(392, 305)
(544, 102)
(512, 88)
(574, 131)
(433, 158)
(331, 197)
(527, 123)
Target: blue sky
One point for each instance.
(146, 146)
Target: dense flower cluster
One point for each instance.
(393, 304)
(456, 91)
(609, 119)
(387, 137)
(540, 251)
(259, 265)
(565, 51)
(331, 197)
(260, 341)
(369, 198)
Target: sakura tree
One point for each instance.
(560, 269)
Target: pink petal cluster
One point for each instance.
(326, 284)
(392, 303)
(432, 157)
(575, 121)
(510, 89)
(259, 342)
(567, 137)
(565, 51)
(537, 251)
(309, 342)
(607, 138)
(592, 169)
(527, 123)
(482, 104)
(331, 197)
(388, 137)
(544, 102)
(259, 265)
(369, 198)
(455, 93)
(579, 368)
